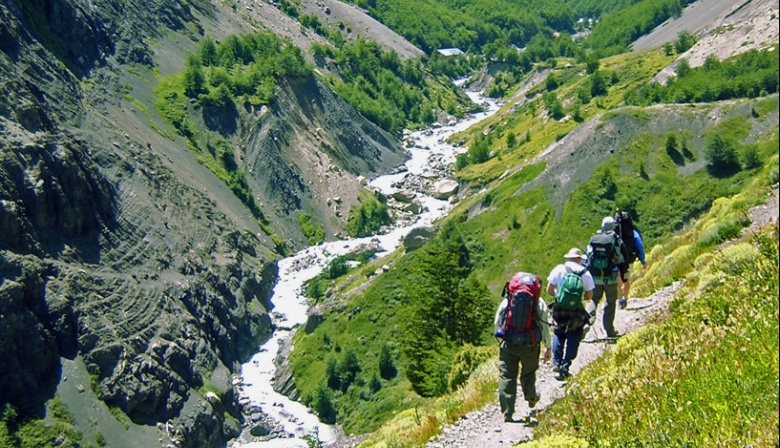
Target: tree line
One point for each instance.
(748, 75)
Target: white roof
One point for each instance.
(449, 51)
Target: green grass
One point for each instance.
(56, 431)
(707, 373)
(705, 376)
(632, 70)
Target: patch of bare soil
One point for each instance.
(353, 21)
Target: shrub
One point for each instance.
(368, 217)
(322, 404)
(386, 367)
(749, 157)
(684, 42)
(720, 232)
(312, 231)
(466, 361)
(721, 156)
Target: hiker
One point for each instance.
(635, 250)
(570, 283)
(521, 324)
(606, 263)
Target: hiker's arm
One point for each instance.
(541, 315)
(550, 289)
(588, 296)
(501, 308)
(640, 248)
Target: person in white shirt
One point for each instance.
(569, 322)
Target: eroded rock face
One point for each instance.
(108, 256)
(54, 194)
(418, 236)
(24, 338)
(117, 246)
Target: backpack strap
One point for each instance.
(581, 272)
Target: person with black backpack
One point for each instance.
(634, 250)
(570, 283)
(605, 262)
(521, 325)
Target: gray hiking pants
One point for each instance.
(608, 319)
(510, 360)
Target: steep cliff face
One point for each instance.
(117, 247)
(307, 158)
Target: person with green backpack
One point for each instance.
(570, 283)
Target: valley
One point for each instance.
(164, 168)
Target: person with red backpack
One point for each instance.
(570, 283)
(521, 327)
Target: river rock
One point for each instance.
(445, 188)
(418, 236)
(261, 429)
(313, 321)
(414, 207)
(405, 196)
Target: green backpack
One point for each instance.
(569, 294)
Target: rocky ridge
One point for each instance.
(125, 265)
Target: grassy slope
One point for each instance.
(529, 228)
(706, 373)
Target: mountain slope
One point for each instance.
(133, 282)
(518, 219)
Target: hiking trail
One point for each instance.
(486, 427)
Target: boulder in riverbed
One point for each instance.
(418, 236)
(445, 188)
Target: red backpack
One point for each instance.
(522, 292)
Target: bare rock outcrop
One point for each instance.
(118, 247)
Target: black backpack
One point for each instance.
(604, 258)
(624, 227)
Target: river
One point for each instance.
(290, 306)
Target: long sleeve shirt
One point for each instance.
(639, 248)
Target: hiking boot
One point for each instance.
(532, 402)
(622, 303)
(508, 418)
(556, 367)
(613, 334)
(563, 375)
